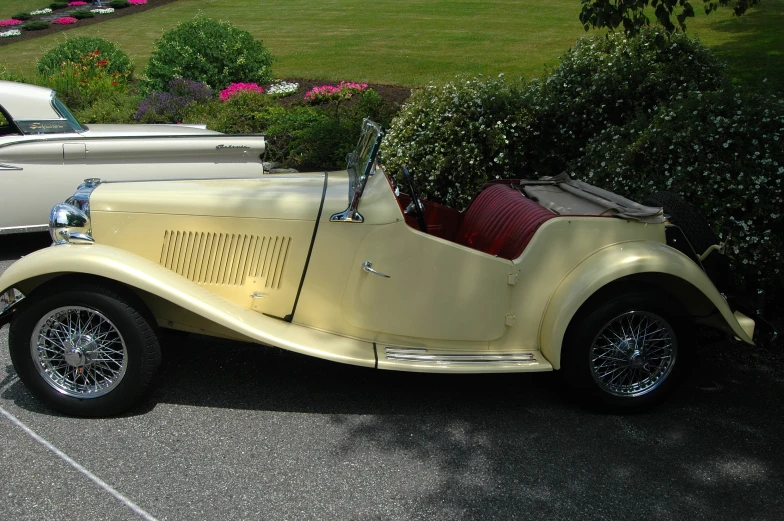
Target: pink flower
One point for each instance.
(65, 20)
(329, 93)
(137, 2)
(74, 4)
(236, 88)
(10, 22)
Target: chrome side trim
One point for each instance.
(24, 229)
(10, 167)
(420, 355)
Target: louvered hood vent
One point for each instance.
(223, 259)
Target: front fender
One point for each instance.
(616, 262)
(142, 274)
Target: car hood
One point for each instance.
(145, 130)
(278, 196)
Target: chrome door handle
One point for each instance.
(367, 267)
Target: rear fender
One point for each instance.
(181, 294)
(630, 262)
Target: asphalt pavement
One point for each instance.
(237, 431)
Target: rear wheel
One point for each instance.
(86, 351)
(625, 352)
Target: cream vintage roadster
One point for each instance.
(45, 151)
(540, 275)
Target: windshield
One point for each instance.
(361, 162)
(361, 165)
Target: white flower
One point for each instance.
(40, 11)
(103, 10)
(12, 32)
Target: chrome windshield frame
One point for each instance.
(361, 164)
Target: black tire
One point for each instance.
(100, 367)
(594, 354)
(698, 232)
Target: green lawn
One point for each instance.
(413, 42)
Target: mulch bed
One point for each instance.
(54, 28)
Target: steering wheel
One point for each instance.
(418, 210)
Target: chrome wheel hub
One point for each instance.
(79, 352)
(633, 354)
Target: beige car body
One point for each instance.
(45, 152)
(261, 260)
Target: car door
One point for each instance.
(426, 287)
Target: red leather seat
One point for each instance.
(501, 221)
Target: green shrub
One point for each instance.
(58, 5)
(35, 25)
(81, 14)
(298, 136)
(606, 80)
(22, 16)
(722, 151)
(455, 137)
(110, 109)
(119, 4)
(212, 52)
(76, 49)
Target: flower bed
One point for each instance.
(65, 20)
(102, 10)
(235, 88)
(10, 22)
(9, 34)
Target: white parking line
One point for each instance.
(98, 481)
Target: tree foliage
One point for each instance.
(631, 14)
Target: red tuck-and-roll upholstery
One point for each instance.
(501, 221)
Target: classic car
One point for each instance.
(543, 275)
(45, 152)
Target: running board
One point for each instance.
(424, 360)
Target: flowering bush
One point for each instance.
(212, 52)
(12, 32)
(326, 93)
(606, 80)
(10, 22)
(77, 3)
(80, 83)
(455, 137)
(40, 11)
(137, 2)
(65, 20)
(102, 10)
(282, 89)
(75, 49)
(722, 151)
(169, 107)
(236, 88)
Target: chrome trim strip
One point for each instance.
(418, 355)
(10, 167)
(24, 229)
(260, 176)
(80, 137)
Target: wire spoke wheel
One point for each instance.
(79, 352)
(633, 354)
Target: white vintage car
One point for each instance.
(45, 152)
(533, 276)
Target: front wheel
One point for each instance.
(86, 351)
(625, 352)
